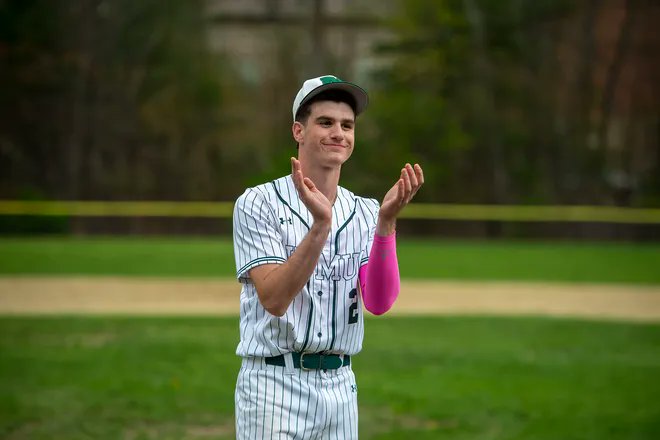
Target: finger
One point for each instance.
(297, 176)
(309, 184)
(398, 190)
(406, 184)
(296, 164)
(293, 166)
(301, 180)
(297, 179)
(412, 176)
(419, 176)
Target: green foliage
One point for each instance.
(430, 259)
(426, 378)
(479, 93)
(112, 99)
(501, 101)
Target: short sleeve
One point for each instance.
(370, 208)
(257, 240)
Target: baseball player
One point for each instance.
(309, 254)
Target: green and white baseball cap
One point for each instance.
(314, 86)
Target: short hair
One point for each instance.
(333, 95)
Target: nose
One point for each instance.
(337, 133)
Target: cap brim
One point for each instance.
(357, 92)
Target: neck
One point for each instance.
(325, 179)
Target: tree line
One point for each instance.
(502, 101)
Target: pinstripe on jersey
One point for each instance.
(326, 316)
(276, 403)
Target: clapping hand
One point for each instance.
(315, 201)
(411, 179)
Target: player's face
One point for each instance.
(327, 137)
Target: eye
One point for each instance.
(347, 126)
(326, 123)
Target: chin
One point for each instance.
(335, 160)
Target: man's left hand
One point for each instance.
(411, 179)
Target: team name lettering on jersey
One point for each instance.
(340, 266)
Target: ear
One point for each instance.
(298, 131)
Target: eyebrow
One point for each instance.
(343, 121)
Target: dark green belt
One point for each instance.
(312, 361)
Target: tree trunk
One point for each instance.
(614, 73)
(483, 73)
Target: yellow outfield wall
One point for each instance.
(426, 211)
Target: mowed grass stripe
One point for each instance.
(432, 259)
(422, 378)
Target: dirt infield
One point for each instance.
(149, 296)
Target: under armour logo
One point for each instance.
(282, 220)
(354, 388)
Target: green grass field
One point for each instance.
(423, 378)
(419, 378)
(529, 261)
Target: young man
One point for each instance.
(309, 254)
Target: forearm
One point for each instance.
(379, 279)
(279, 286)
(385, 226)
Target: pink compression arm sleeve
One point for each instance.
(379, 278)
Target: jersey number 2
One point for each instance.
(353, 309)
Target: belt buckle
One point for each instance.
(302, 362)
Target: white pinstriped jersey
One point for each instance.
(270, 221)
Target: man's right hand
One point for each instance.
(278, 284)
(317, 203)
